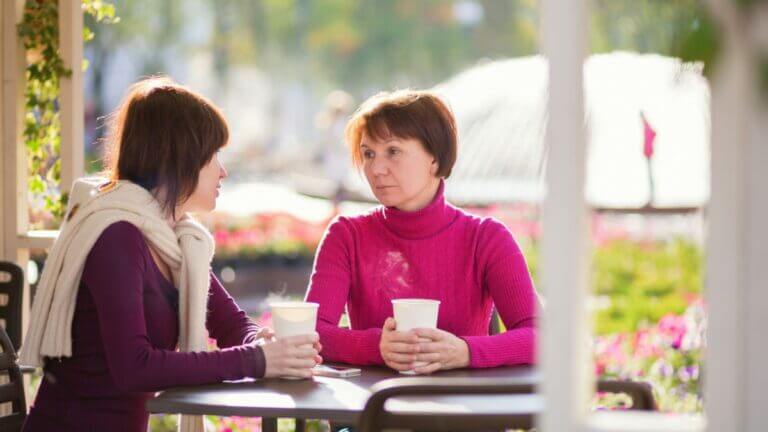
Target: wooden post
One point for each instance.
(13, 176)
(71, 106)
(14, 182)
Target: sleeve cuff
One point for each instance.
(255, 363)
(472, 350)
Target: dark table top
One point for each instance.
(341, 399)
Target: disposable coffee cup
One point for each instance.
(413, 314)
(293, 319)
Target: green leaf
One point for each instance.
(700, 42)
(36, 184)
(88, 35)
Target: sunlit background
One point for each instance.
(288, 74)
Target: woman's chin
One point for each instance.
(386, 201)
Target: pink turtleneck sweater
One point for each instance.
(467, 262)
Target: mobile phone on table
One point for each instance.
(335, 371)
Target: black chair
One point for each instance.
(641, 393)
(494, 327)
(11, 291)
(12, 391)
(375, 418)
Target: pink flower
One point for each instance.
(673, 327)
(646, 345)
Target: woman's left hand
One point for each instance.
(440, 350)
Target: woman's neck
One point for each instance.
(422, 223)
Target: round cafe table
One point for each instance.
(341, 400)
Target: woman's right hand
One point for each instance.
(398, 349)
(294, 356)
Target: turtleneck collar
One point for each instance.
(430, 220)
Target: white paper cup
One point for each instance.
(415, 313)
(293, 318)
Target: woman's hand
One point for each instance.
(398, 349)
(440, 350)
(293, 356)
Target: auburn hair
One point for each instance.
(420, 115)
(161, 136)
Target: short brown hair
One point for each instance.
(161, 136)
(413, 114)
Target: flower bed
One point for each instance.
(668, 355)
(264, 237)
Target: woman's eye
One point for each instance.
(394, 151)
(368, 154)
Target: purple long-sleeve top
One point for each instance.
(124, 337)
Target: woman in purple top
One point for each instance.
(125, 329)
(417, 245)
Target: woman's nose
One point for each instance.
(379, 166)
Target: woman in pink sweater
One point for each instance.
(416, 245)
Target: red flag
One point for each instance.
(649, 135)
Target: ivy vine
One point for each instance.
(39, 32)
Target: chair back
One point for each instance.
(375, 418)
(641, 393)
(494, 326)
(13, 390)
(11, 291)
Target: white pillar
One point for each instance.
(72, 121)
(737, 240)
(563, 352)
(756, 271)
(14, 168)
(2, 129)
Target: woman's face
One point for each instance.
(400, 171)
(203, 199)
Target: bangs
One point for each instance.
(390, 123)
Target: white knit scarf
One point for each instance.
(187, 249)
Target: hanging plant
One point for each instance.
(39, 33)
(701, 41)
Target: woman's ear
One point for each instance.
(434, 167)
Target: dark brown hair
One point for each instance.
(406, 114)
(161, 136)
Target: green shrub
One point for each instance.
(638, 282)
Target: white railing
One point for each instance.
(737, 245)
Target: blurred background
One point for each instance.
(288, 74)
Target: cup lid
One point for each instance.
(294, 304)
(415, 301)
